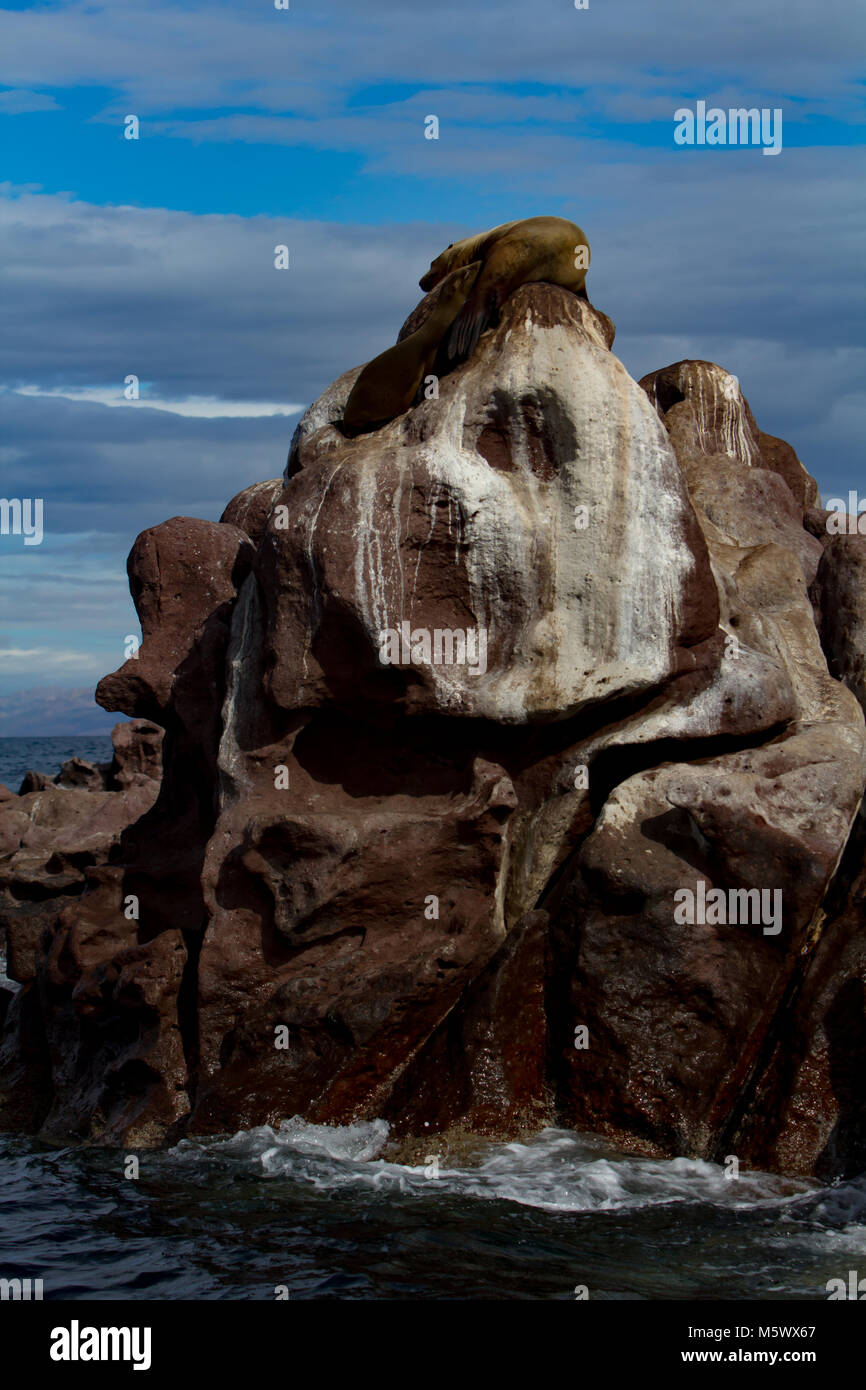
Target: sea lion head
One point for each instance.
(438, 269)
(460, 282)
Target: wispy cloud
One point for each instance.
(49, 655)
(193, 407)
(18, 101)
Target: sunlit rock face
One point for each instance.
(484, 510)
(461, 716)
(715, 421)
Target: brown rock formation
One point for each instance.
(454, 893)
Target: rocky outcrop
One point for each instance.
(461, 716)
(708, 417)
(249, 511)
(55, 838)
(839, 595)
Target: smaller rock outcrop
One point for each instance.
(54, 837)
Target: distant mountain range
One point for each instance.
(48, 710)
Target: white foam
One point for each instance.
(557, 1170)
(353, 1143)
(5, 982)
(843, 1206)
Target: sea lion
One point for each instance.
(389, 384)
(514, 254)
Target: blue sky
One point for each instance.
(305, 127)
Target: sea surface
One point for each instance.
(318, 1212)
(20, 755)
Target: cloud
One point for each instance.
(193, 407)
(244, 53)
(193, 305)
(47, 657)
(106, 474)
(19, 102)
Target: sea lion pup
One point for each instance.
(389, 384)
(537, 248)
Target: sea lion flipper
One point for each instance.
(500, 274)
(480, 312)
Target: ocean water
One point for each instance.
(20, 755)
(319, 1212)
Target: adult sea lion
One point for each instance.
(514, 254)
(389, 384)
